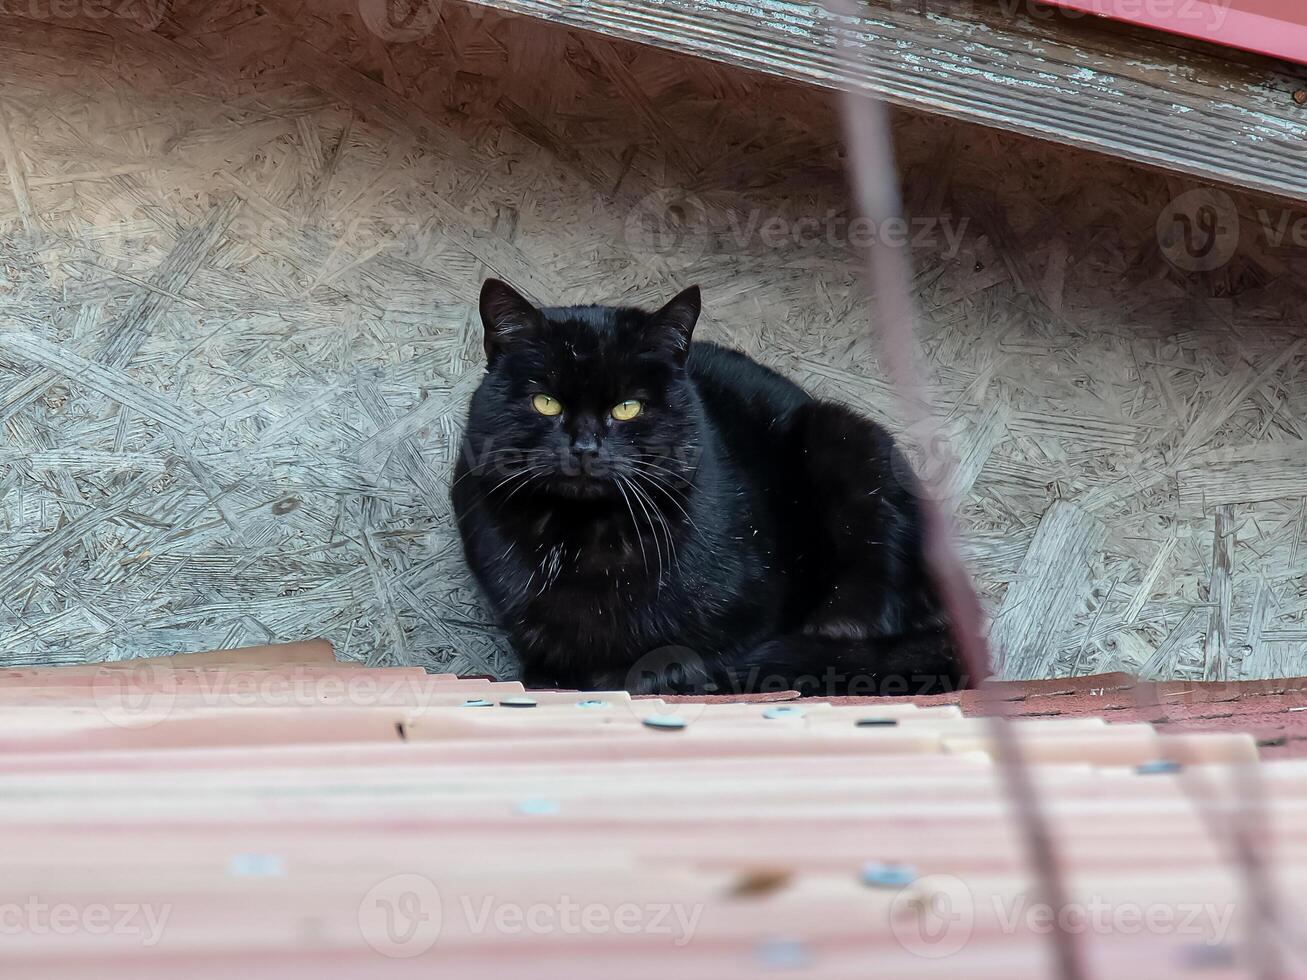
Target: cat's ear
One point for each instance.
(506, 316)
(674, 323)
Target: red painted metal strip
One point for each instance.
(1273, 27)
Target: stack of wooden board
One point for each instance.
(275, 811)
(1198, 109)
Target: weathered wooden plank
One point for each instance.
(1054, 575)
(1148, 98)
(1216, 647)
(1244, 474)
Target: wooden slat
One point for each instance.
(1148, 98)
(337, 839)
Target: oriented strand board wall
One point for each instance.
(239, 260)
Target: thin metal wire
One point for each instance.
(875, 185)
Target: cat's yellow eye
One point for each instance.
(627, 410)
(546, 405)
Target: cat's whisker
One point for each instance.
(662, 521)
(643, 460)
(634, 524)
(529, 473)
(530, 476)
(640, 497)
(513, 476)
(479, 468)
(662, 480)
(677, 470)
(674, 493)
(666, 492)
(665, 476)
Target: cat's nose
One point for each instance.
(585, 437)
(585, 444)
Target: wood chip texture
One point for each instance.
(241, 243)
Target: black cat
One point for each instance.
(646, 513)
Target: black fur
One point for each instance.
(736, 535)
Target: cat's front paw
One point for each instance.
(670, 670)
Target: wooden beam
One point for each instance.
(1146, 97)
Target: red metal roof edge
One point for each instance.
(1277, 28)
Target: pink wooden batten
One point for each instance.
(1272, 27)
